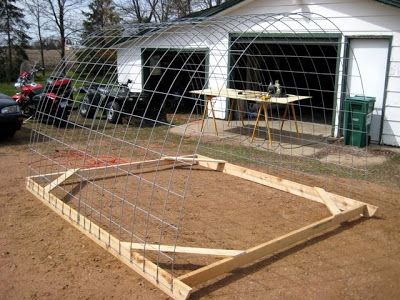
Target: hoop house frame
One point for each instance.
(100, 168)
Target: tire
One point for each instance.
(61, 119)
(7, 134)
(85, 109)
(11, 133)
(113, 112)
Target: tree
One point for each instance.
(14, 27)
(182, 7)
(145, 11)
(101, 14)
(100, 17)
(35, 7)
(60, 12)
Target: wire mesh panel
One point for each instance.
(146, 103)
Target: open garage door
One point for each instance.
(171, 74)
(303, 66)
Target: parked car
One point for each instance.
(116, 100)
(10, 116)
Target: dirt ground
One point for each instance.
(41, 256)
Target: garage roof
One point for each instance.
(214, 10)
(229, 3)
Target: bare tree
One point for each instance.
(182, 7)
(61, 13)
(36, 8)
(142, 11)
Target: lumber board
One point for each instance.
(59, 180)
(285, 185)
(272, 247)
(181, 249)
(136, 165)
(343, 209)
(120, 170)
(144, 267)
(164, 165)
(194, 159)
(330, 204)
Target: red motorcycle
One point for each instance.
(50, 104)
(27, 88)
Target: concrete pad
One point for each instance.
(312, 141)
(353, 161)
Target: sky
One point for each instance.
(49, 28)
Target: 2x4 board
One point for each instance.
(342, 209)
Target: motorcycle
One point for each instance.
(27, 88)
(54, 105)
(51, 103)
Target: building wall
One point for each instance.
(355, 19)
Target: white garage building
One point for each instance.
(364, 34)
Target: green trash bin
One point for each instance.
(357, 120)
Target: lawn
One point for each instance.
(7, 89)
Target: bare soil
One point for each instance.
(41, 256)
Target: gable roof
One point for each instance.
(208, 12)
(229, 3)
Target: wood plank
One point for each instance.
(135, 166)
(181, 249)
(95, 174)
(132, 166)
(144, 267)
(330, 204)
(165, 165)
(193, 159)
(269, 248)
(285, 185)
(248, 95)
(59, 180)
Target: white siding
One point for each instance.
(355, 18)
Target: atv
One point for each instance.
(117, 100)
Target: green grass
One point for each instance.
(7, 89)
(387, 173)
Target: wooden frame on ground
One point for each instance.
(342, 209)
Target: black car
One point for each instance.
(10, 116)
(115, 101)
